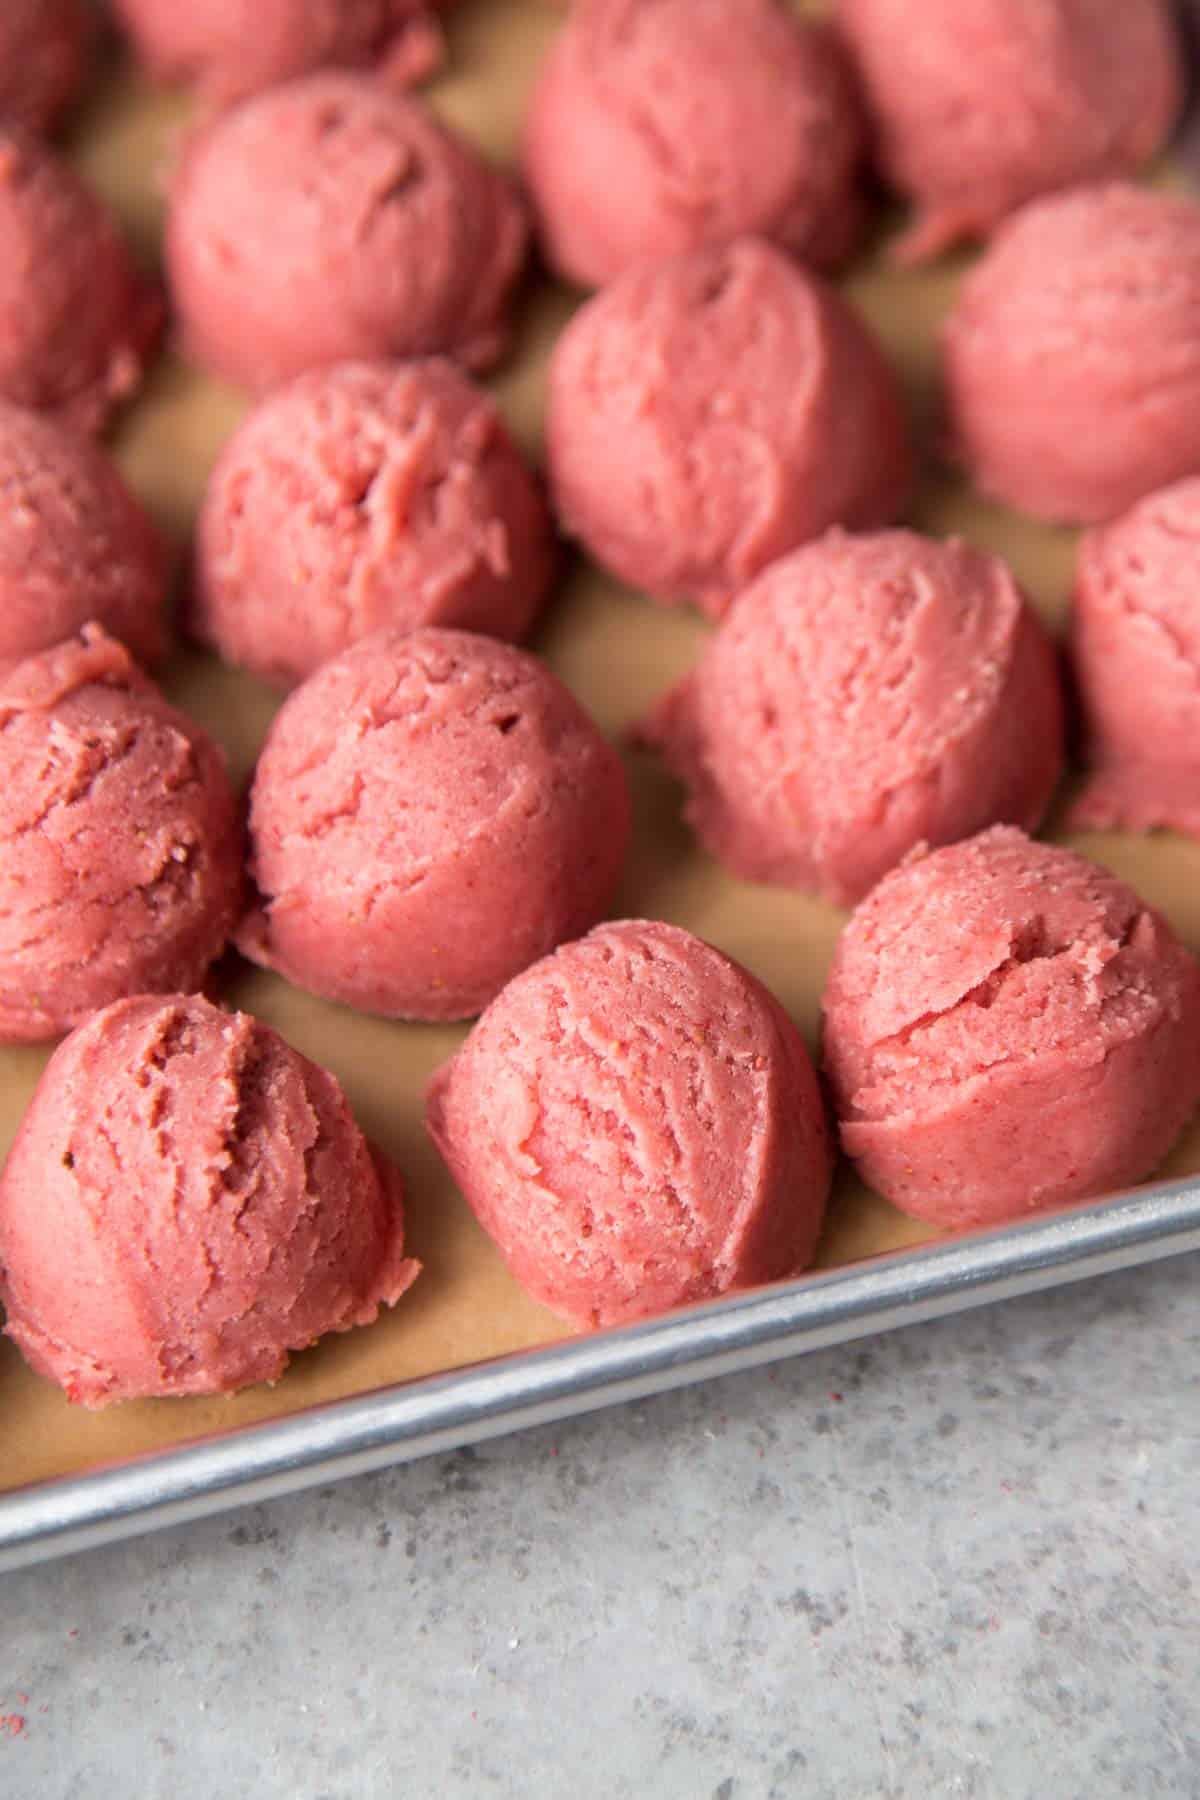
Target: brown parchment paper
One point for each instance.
(617, 653)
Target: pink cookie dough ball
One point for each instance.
(122, 842)
(334, 219)
(45, 58)
(187, 1201)
(1072, 358)
(981, 105)
(1135, 647)
(228, 49)
(431, 812)
(637, 1124)
(709, 413)
(361, 496)
(1008, 1028)
(74, 544)
(658, 128)
(865, 695)
(78, 322)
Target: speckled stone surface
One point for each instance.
(959, 1560)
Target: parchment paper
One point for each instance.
(618, 653)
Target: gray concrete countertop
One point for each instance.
(958, 1560)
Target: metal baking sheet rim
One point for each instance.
(533, 1387)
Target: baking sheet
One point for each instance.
(617, 653)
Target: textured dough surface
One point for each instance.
(432, 811)
(362, 496)
(658, 126)
(122, 864)
(1135, 643)
(865, 695)
(334, 218)
(710, 412)
(187, 1201)
(1072, 356)
(75, 545)
(228, 49)
(1007, 1028)
(982, 105)
(78, 321)
(637, 1124)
